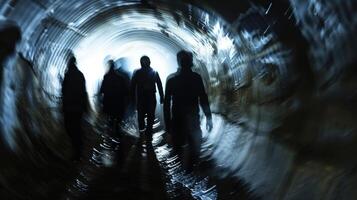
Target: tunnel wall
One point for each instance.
(308, 153)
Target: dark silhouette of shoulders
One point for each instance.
(115, 89)
(187, 75)
(146, 78)
(74, 81)
(114, 79)
(145, 72)
(187, 81)
(74, 92)
(172, 77)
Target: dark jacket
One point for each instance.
(143, 84)
(186, 91)
(74, 93)
(115, 91)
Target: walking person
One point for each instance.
(10, 35)
(75, 104)
(183, 94)
(143, 87)
(115, 92)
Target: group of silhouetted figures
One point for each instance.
(183, 94)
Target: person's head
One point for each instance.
(72, 62)
(145, 61)
(184, 59)
(111, 65)
(10, 34)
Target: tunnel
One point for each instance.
(279, 77)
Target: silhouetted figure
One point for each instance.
(143, 86)
(10, 34)
(75, 104)
(115, 90)
(122, 67)
(183, 94)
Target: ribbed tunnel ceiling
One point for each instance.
(108, 25)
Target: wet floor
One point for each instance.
(121, 166)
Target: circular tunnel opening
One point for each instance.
(125, 32)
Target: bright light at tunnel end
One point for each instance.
(92, 62)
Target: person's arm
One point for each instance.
(100, 95)
(64, 85)
(133, 84)
(86, 105)
(159, 86)
(63, 91)
(205, 104)
(101, 90)
(167, 106)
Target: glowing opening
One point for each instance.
(91, 60)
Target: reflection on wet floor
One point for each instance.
(198, 187)
(126, 167)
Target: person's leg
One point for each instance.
(73, 127)
(78, 135)
(178, 138)
(194, 142)
(150, 117)
(141, 117)
(178, 146)
(113, 125)
(68, 124)
(118, 131)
